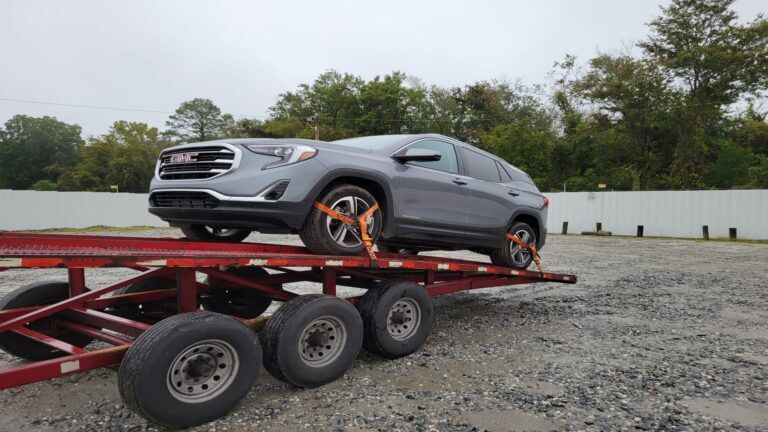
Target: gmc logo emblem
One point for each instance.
(182, 158)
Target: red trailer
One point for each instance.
(189, 349)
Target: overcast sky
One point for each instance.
(152, 55)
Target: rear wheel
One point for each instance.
(215, 234)
(147, 312)
(228, 298)
(312, 340)
(189, 369)
(397, 249)
(510, 254)
(326, 235)
(397, 318)
(38, 294)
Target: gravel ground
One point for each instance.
(657, 335)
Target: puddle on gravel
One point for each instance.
(746, 413)
(510, 421)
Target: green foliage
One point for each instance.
(45, 185)
(29, 145)
(124, 157)
(198, 120)
(664, 119)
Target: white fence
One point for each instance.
(29, 210)
(661, 213)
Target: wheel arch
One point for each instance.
(530, 218)
(377, 185)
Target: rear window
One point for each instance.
(481, 167)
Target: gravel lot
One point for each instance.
(657, 335)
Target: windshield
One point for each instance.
(371, 142)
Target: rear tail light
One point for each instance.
(546, 201)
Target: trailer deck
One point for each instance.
(93, 314)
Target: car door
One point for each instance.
(491, 203)
(432, 197)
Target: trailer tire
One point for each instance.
(151, 312)
(162, 364)
(226, 298)
(38, 294)
(312, 340)
(397, 318)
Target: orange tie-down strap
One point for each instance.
(352, 223)
(531, 249)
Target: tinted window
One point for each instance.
(479, 166)
(504, 175)
(447, 162)
(516, 174)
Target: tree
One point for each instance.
(716, 61)
(197, 120)
(124, 157)
(244, 128)
(30, 145)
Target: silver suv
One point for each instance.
(433, 192)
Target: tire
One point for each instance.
(38, 294)
(397, 249)
(213, 234)
(151, 312)
(161, 365)
(226, 298)
(317, 231)
(509, 254)
(309, 317)
(409, 304)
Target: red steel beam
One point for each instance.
(186, 291)
(14, 376)
(76, 281)
(105, 320)
(94, 333)
(50, 341)
(241, 281)
(75, 301)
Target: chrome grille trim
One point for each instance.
(213, 160)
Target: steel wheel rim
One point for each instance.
(322, 341)
(404, 319)
(203, 371)
(353, 207)
(518, 254)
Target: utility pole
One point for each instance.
(317, 130)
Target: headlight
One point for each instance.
(288, 153)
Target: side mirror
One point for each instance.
(418, 155)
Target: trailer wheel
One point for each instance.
(38, 294)
(227, 298)
(397, 318)
(150, 312)
(312, 340)
(189, 369)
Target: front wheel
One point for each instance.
(510, 254)
(215, 234)
(326, 235)
(189, 369)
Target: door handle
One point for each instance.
(459, 182)
(513, 193)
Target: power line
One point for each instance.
(85, 106)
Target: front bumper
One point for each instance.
(240, 196)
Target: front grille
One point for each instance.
(198, 163)
(175, 199)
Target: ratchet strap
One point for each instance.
(354, 223)
(530, 248)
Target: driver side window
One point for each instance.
(447, 163)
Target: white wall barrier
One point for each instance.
(29, 210)
(661, 213)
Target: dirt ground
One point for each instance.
(657, 335)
